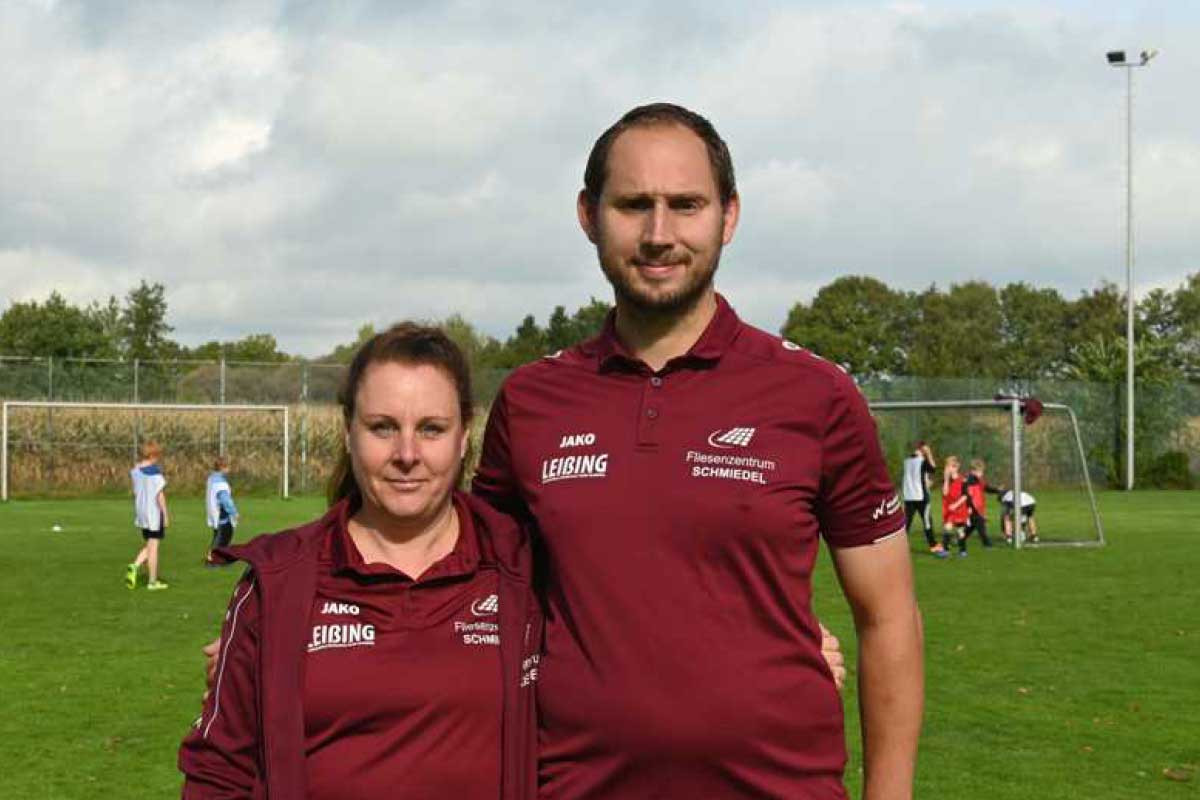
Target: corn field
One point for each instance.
(64, 452)
(70, 451)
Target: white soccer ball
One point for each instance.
(56, 528)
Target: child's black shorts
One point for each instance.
(1026, 512)
(222, 535)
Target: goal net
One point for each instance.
(66, 448)
(1044, 460)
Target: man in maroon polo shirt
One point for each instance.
(680, 468)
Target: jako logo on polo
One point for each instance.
(734, 437)
(334, 607)
(486, 606)
(577, 440)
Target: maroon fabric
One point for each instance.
(680, 513)
(342, 679)
(1032, 408)
(433, 643)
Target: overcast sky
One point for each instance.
(288, 169)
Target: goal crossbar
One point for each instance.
(218, 408)
(1013, 405)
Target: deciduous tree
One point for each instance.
(857, 322)
(56, 328)
(145, 332)
(1031, 331)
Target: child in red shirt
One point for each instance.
(956, 510)
(977, 491)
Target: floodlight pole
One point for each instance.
(1116, 58)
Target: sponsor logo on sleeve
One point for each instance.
(529, 670)
(886, 507)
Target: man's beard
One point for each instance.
(698, 280)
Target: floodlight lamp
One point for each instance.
(1148, 54)
(1116, 57)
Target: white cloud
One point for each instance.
(300, 172)
(1020, 155)
(35, 272)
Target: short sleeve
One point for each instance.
(494, 480)
(857, 504)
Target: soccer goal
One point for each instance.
(57, 448)
(1044, 458)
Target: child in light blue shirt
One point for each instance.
(222, 514)
(149, 514)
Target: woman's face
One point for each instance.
(406, 440)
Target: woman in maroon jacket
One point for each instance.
(387, 649)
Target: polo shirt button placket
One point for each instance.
(651, 413)
(408, 604)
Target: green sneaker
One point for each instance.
(131, 576)
(154, 586)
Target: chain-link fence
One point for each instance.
(1166, 432)
(81, 451)
(1167, 429)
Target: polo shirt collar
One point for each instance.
(718, 335)
(462, 560)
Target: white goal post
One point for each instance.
(1013, 405)
(8, 405)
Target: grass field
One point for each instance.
(1050, 673)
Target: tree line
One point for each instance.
(1016, 332)
(133, 327)
(972, 329)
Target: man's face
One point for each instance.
(659, 225)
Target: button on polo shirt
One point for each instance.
(402, 677)
(680, 512)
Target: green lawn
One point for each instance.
(1050, 673)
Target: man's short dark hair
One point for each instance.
(596, 172)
